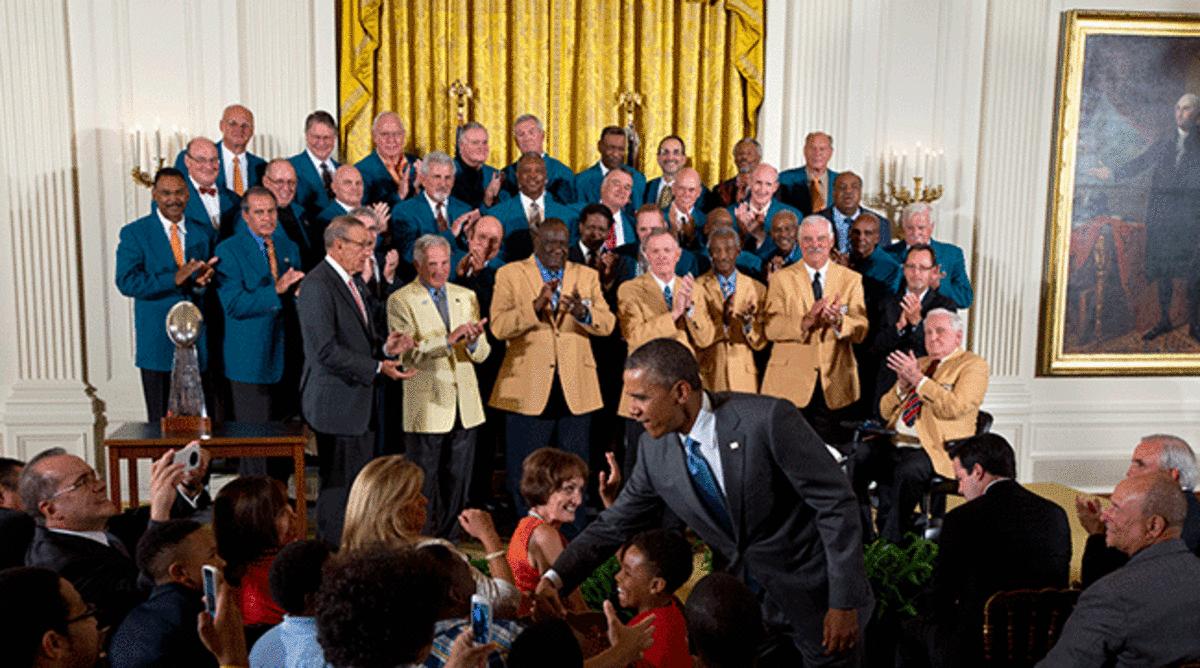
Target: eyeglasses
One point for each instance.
(88, 612)
(88, 479)
(918, 267)
(204, 161)
(367, 243)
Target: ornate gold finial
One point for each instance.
(628, 102)
(461, 93)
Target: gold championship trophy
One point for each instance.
(185, 407)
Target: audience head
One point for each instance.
(320, 134)
(530, 135)
(747, 153)
(654, 564)
(203, 162)
(259, 211)
(550, 244)
(251, 519)
(661, 249)
(45, 621)
(943, 333)
(920, 264)
(62, 492)
(370, 220)
(431, 255)
(437, 175)
(724, 622)
(347, 185)
(295, 576)
(815, 237)
(10, 473)
(547, 644)
(1169, 454)
(847, 192)
(348, 242)
(387, 133)
(472, 144)
(175, 551)
(385, 505)
(452, 567)
(377, 607)
(531, 175)
(646, 219)
(718, 218)
(237, 128)
(764, 181)
(981, 460)
(864, 234)
(687, 189)
(672, 155)
(552, 483)
(616, 188)
(1145, 509)
(594, 223)
(1187, 112)
(784, 230)
(662, 382)
(485, 237)
(916, 221)
(612, 146)
(280, 179)
(170, 193)
(818, 149)
(723, 248)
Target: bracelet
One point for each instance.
(492, 555)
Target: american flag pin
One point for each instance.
(734, 445)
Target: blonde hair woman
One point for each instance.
(386, 507)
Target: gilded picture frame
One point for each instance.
(1121, 287)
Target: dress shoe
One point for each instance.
(1159, 329)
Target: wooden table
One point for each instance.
(136, 440)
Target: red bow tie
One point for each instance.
(212, 191)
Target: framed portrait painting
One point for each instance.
(1121, 290)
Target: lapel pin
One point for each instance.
(734, 445)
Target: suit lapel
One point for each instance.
(732, 462)
(348, 298)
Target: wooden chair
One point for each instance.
(1020, 626)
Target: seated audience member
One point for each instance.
(847, 197)
(1144, 613)
(378, 607)
(16, 525)
(1155, 453)
(523, 214)
(733, 300)
(162, 630)
(654, 564)
(785, 227)
(1005, 537)
(295, 578)
(531, 138)
(724, 623)
(684, 215)
(810, 188)
(916, 221)
(552, 483)
(612, 146)
(747, 153)
(935, 399)
(389, 175)
(81, 536)
(755, 214)
(394, 483)
(253, 520)
(475, 182)
(553, 644)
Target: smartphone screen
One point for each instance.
(481, 620)
(209, 574)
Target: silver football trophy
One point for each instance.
(185, 407)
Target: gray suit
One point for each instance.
(796, 537)
(1142, 614)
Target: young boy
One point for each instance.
(653, 565)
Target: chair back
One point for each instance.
(1020, 626)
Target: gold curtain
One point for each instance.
(697, 65)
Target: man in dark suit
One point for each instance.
(315, 165)
(753, 480)
(916, 222)
(238, 169)
(1005, 537)
(810, 188)
(1156, 453)
(475, 182)
(521, 215)
(389, 174)
(531, 138)
(846, 208)
(1142, 614)
(16, 525)
(613, 147)
(344, 355)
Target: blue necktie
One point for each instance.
(439, 300)
(727, 286)
(705, 484)
(667, 296)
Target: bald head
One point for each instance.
(202, 161)
(387, 133)
(686, 189)
(280, 179)
(486, 235)
(1144, 510)
(348, 185)
(764, 181)
(237, 128)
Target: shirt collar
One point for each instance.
(98, 536)
(345, 276)
(546, 272)
(541, 201)
(661, 284)
(433, 204)
(824, 272)
(318, 162)
(167, 223)
(839, 216)
(199, 190)
(705, 423)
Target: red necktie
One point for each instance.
(610, 242)
(912, 406)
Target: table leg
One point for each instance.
(134, 501)
(301, 500)
(114, 477)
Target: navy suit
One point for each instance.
(587, 186)
(841, 236)
(255, 168)
(162, 632)
(253, 310)
(104, 575)
(146, 272)
(955, 285)
(518, 242)
(311, 194)
(378, 185)
(414, 217)
(793, 188)
(560, 180)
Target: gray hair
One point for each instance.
(35, 486)
(955, 319)
(339, 228)
(435, 158)
(361, 211)
(1162, 498)
(1176, 454)
(424, 243)
(721, 233)
(916, 209)
(659, 232)
(818, 133)
(814, 219)
(1190, 98)
(464, 128)
(380, 116)
(753, 142)
(528, 117)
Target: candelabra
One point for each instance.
(151, 153)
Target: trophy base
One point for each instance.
(191, 424)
